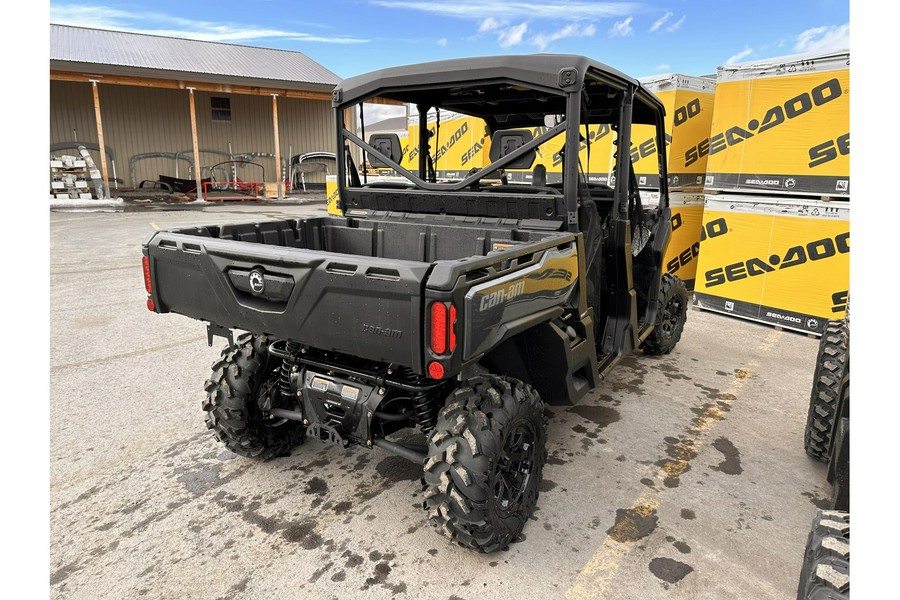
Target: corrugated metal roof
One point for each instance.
(158, 55)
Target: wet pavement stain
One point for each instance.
(601, 415)
(688, 514)
(732, 463)
(682, 547)
(303, 533)
(669, 570)
(818, 501)
(397, 469)
(353, 560)
(316, 485)
(633, 524)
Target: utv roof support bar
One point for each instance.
(459, 185)
(570, 166)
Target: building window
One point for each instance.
(221, 108)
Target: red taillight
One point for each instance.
(147, 284)
(452, 328)
(150, 305)
(436, 370)
(438, 329)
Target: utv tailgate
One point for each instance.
(363, 306)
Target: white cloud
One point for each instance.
(507, 35)
(105, 17)
(490, 24)
(572, 10)
(676, 25)
(442, 42)
(660, 21)
(824, 39)
(512, 36)
(747, 51)
(663, 67)
(542, 40)
(622, 28)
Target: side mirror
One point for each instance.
(389, 145)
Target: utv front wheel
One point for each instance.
(670, 316)
(244, 378)
(485, 461)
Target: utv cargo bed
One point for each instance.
(352, 285)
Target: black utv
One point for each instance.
(455, 305)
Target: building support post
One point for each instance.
(100, 138)
(278, 172)
(197, 170)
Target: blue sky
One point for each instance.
(354, 36)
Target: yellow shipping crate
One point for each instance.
(781, 262)
(460, 144)
(781, 126)
(684, 245)
(331, 193)
(689, 113)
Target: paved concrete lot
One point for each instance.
(680, 477)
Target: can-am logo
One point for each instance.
(782, 317)
(762, 181)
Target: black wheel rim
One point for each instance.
(513, 470)
(672, 315)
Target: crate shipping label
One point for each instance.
(788, 264)
(790, 134)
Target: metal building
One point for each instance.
(198, 101)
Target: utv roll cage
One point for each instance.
(510, 92)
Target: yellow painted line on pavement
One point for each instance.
(154, 225)
(592, 582)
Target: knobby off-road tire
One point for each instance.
(243, 374)
(826, 562)
(485, 461)
(670, 317)
(831, 363)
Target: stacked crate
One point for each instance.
(775, 233)
(689, 112)
(69, 178)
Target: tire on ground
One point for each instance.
(825, 573)
(670, 316)
(831, 362)
(242, 374)
(485, 461)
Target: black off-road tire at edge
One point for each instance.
(486, 426)
(831, 362)
(670, 317)
(243, 372)
(825, 574)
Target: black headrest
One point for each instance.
(508, 141)
(389, 145)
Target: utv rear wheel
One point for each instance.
(831, 362)
(826, 562)
(244, 377)
(485, 461)
(670, 317)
